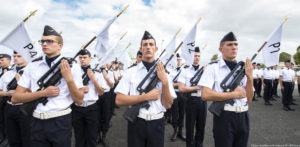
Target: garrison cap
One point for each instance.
(50, 31)
(147, 36)
(229, 37)
(197, 49)
(85, 52)
(5, 56)
(177, 55)
(287, 61)
(258, 64)
(254, 63)
(139, 53)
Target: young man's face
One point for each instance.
(196, 58)
(85, 60)
(5, 62)
(19, 60)
(229, 49)
(287, 64)
(178, 61)
(50, 45)
(148, 49)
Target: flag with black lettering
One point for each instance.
(271, 50)
(103, 38)
(187, 49)
(19, 41)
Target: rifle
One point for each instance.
(217, 107)
(132, 112)
(29, 107)
(85, 77)
(195, 79)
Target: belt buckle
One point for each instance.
(148, 117)
(42, 116)
(238, 109)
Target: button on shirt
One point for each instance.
(213, 76)
(287, 74)
(35, 70)
(186, 75)
(92, 94)
(130, 81)
(268, 74)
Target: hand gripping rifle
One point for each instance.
(29, 107)
(132, 112)
(238, 74)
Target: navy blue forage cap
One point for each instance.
(49, 31)
(197, 49)
(5, 56)
(177, 55)
(229, 37)
(85, 52)
(287, 61)
(147, 36)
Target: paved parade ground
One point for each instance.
(270, 126)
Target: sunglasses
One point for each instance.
(47, 41)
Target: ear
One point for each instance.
(156, 48)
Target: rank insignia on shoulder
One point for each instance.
(132, 65)
(216, 61)
(186, 66)
(38, 59)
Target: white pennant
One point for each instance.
(103, 38)
(169, 51)
(19, 41)
(271, 50)
(187, 49)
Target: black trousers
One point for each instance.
(196, 110)
(53, 132)
(144, 133)
(105, 111)
(259, 85)
(178, 110)
(287, 93)
(255, 84)
(267, 90)
(299, 88)
(2, 124)
(231, 129)
(274, 88)
(85, 120)
(17, 127)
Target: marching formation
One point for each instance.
(43, 100)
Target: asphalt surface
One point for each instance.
(269, 126)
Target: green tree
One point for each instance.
(297, 56)
(214, 57)
(284, 56)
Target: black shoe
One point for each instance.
(293, 103)
(254, 99)
(290, 109)
(99, 139)
(174, 135)
(259, 96)
(285, 108)
(270, 103)
(272, 99)
(180, 135)
(105, 140)
(276, 96)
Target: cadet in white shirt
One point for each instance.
(259, 84)
(4, 63)
(148, 129)
(51, 124)
(293, 73)
(255, 80)
(286, 80)
(196, 108)
(231, 128)
(267, 81)
(276, 80)
(298, 80)
(16, 123)
(85, 116)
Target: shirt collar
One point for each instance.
(53, 62)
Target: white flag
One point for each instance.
(110, 55)
(103, 37)
(19, 41)
(125, 58)
(187, 49)
(272, 48)
(169, 51)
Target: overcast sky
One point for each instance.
(79, 20)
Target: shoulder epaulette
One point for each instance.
(186, 66)
(38, 59)
(214, 62)
(132, 65)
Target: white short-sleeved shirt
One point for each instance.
(276, 74)
(35, 70)
(287, 74)
(213, 76)
(298, 73)
(130, 81)
(268, 74)
(259, 72)
(186, 75)
(255, 70)
(6, 78)
(92, 94)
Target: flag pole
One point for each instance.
(31, 14)
(286, 18)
